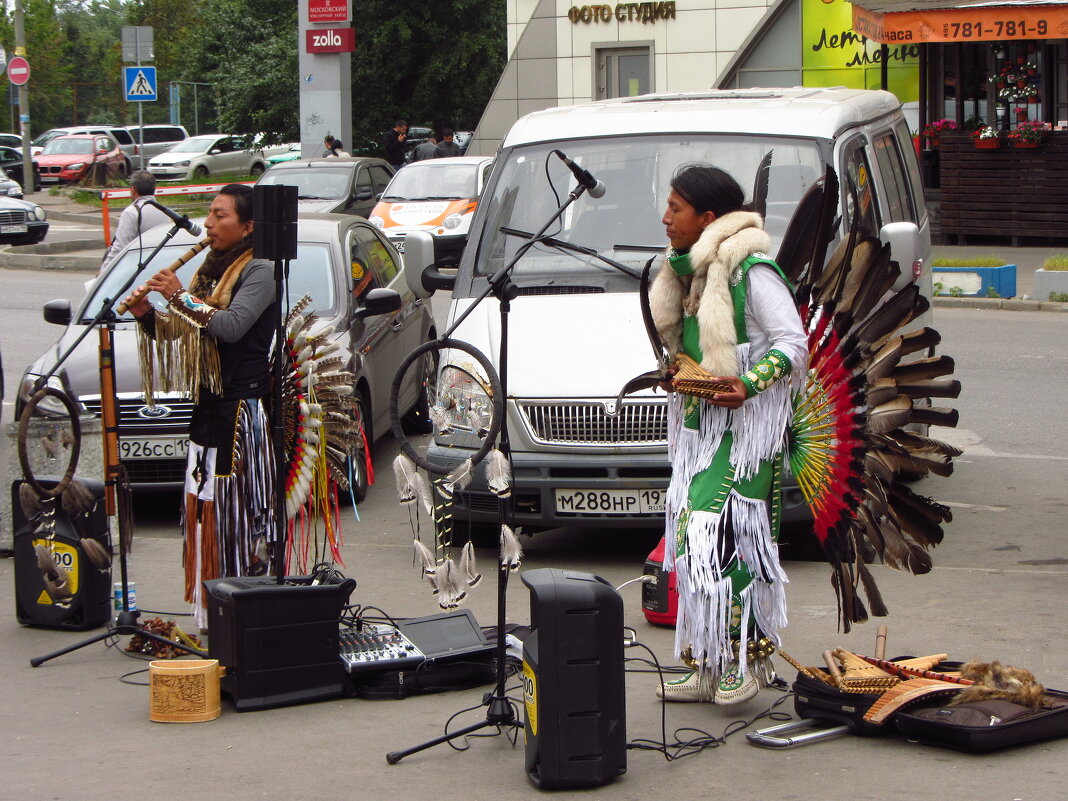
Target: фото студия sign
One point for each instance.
(328, 10)
(331, 40)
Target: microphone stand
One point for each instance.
(500, 711)
(104, 322)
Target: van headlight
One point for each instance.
(462, 408)
(377, 222)
(453, 221)
(49, 406)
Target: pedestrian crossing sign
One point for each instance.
(140, 83)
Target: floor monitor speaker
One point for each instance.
(278, 642)
(573, 682)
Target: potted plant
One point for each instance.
(1051, 279)
(1031, 94)
(1028, 134)
(1021, 113)
(933, 130)
(986, 138)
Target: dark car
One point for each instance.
(21, 222)
(11, 163)
(331, 249)
(334, 185)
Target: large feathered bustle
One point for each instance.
(322, 431)
(849, 448)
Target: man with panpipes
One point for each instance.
(213, 341)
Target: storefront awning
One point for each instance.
(899, 22)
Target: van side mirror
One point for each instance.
(58, 312)
(418, 258)
(904, 241)
(379, 301)
(363, 193)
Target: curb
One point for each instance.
(54, 256)
(998, 304)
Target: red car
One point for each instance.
(67, 159)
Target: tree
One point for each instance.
(428, 63)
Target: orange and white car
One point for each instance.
(438, 196)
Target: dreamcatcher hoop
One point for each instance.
(75, 446)
(451, 406)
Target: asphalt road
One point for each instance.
(77, 731)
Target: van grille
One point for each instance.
(641, 423)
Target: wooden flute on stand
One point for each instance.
(185, 257)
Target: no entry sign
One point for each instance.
(18, 70)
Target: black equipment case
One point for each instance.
(983, 726)
(816, 699)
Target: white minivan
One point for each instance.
(575, 327)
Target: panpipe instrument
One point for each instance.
(905, 693)
(693, 379)
(185, 257)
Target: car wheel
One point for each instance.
(257, 170)
(200, 173)
(360, 480)
(125, 169)
(417, 419)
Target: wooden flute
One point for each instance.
(138, 294)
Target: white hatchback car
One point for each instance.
(438, 196)
(200, 157)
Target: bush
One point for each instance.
(1057, 262)
(973, 261)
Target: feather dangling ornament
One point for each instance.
(468, 569)
(447, 580)
(511, 550)
(96, 553)
(422, 491)
(457, 480)
(498, 473)
(439, 416)
(426, 558)
(405, 473)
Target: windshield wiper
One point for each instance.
(437, 197)
(313, 197)
(564, 245)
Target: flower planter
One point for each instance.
(987, 144)
(977, 282)
(1025, 145)
(1047, 281)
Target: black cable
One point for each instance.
(700, 739)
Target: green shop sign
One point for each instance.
(832, 54)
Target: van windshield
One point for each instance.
(623, 225)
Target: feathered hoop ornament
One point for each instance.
(322, 433)
(848, 446)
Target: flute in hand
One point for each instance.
(185, 257)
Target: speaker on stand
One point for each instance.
(574, 690)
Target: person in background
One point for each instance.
(448, 148)
(393, 143)
(337, 150)
(427, 150)
(328, 146)
(136, 218)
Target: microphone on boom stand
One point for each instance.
(583, 176)
(184, 222)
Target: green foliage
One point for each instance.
(971, 261)
(956, 292)
(1059, 297)
(991, 292)
(1056, 262)
(937, 287)
(428, 63)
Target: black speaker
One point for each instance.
(90, 603)
(573, 683)
(274, 217)
(278, 642)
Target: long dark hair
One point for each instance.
(242, 195)
(709, 188)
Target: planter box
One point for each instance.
(976, 282)
(1047, 281)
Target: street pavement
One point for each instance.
(78, 728)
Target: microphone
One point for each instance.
(178, 219)
(583, 176)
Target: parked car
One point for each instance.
(438, 196)
(576, 325)
(21, 222)
(331, 250)
(9, 187)
(68, 159)
(11, 163)
(336, 185)
(292, 153)
(416, 136)
(119, 134)
(151, 140)
(199, 157)
(11, 140)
